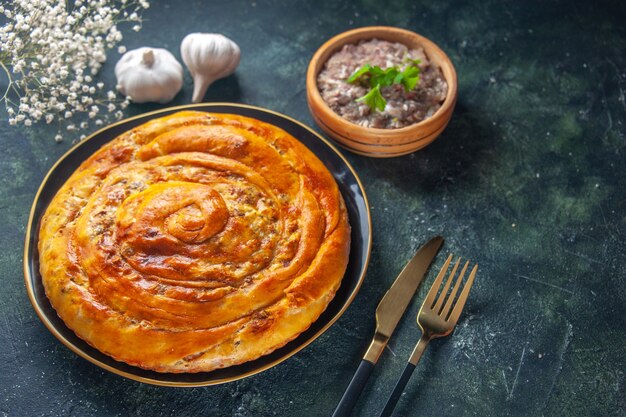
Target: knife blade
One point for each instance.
(397, 298)
(388, 314)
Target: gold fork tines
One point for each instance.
(437, 318)
(435, 309)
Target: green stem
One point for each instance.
(6, 70)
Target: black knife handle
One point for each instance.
(346, 404)
(397, 390)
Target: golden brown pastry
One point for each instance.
(193, 242)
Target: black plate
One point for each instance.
(351, 189)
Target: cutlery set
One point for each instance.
(437, 318)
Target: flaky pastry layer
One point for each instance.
(194, 242)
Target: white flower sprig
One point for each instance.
(51, 51)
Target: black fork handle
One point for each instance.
(397, 390)
(406, 375)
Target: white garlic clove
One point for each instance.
(209, 57)
(149, 75)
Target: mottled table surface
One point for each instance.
(527, 180)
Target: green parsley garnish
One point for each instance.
(376, 77)
(374, 99)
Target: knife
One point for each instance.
(388, 314)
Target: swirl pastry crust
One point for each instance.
(194, 242)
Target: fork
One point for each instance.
(435, 320)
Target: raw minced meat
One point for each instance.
(403, 108)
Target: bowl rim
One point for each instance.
(424, 139)
(353, 35)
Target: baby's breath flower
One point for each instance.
(51, 50)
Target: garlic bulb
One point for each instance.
(209, 57)
(149, 74)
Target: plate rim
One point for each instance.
(77, 350)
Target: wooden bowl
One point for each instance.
(373, 141)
